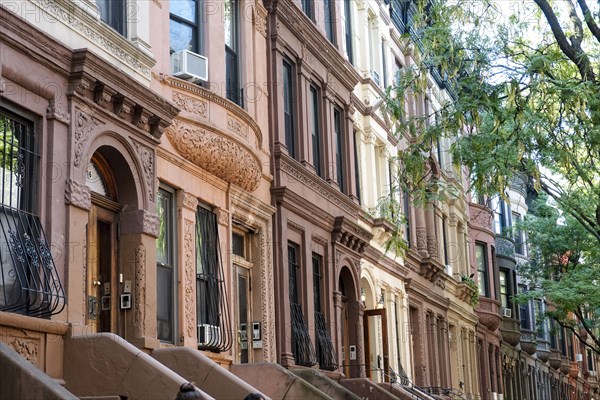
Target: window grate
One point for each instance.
(326, 356)
(29, 282)
(214, 325)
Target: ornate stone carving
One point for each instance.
(140, 287)
(489, 320)
(319, 239)
(259, 18)
(190, 201)
(84, 124)
(237, 127)
(482, 219)
(432, 246)
(216, 154)
(189, 104)
(77, 194)
(190, 269)
(28, 348)
(146, 156)
(421, 239)
(223, 217)
(55, 111)
(295, 226)
(94, 33)
(151, 223)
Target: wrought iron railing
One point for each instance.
(302, 347)
(326, 356)
(453, 394)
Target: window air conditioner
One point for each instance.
(449, 270)
(506, 312)
(579, 357)
(208, 335)
(375, 76)
(188, 65)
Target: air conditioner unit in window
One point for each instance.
(506, 312)
(579, 357)
(375, 76)
(208, 335)
(188, 65)
(449, 269)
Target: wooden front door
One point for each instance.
(102, 287)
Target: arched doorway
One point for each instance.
(102, 246)
(351, 325)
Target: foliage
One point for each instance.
(518, 106)
(474, 289)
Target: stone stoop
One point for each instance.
(20, 379)
(103, 365)
(205, 373)
(406, 393)
(325, 384)
(277, 382)
(367, 389)
(100, 398)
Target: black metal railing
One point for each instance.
(29, 282)
(212, 306)
(453, 394)
(326, 356)
(302, 347)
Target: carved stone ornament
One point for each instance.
(432, 246)
(259, 18)
(223, 217)
(78, 195)
(421, 239)
(56, 111)
(190, 270)
(295, 226)
(84, 124)
(216, 154)
(237, 127)
(151, 223)
(190, 201)
(482, 219)
(189, 104)
(28, 348)
(140, 286)
(146, 156)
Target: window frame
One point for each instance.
(348, 31)
(289, 111)
(316, 130)
(338, 129)
(197, 28)
(329, 20)
(172, 250)
(115, 16)
(482, 270)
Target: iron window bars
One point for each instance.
(212, 306)
(29, 282)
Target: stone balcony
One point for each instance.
(555, 359)
(543, 350)
(488, 312)
(528, 342)
(510, 329)
(565, 365)
(593, 382)
(574, 370)
(216, 135)
(505, 247)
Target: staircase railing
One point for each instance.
(453, 394)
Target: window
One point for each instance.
(238, 245)
(232, 73)
(524, 311)
(165, 260)
(518, 235)
(288, 109)
(212, 309)
(561, 341)
(302, 348)
(114, 12)
(339, 162)
(373, 49)
(316, 130)
(406, 211)
(348, 30)
(324, 351)
(445, 242)
(504, 289)
(384, 64)
(502, 216)
(184, 29)
(357, 168)
(482, 277)
(590, 360)
(329, 18)
(308, 8)
(29, 283)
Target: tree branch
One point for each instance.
(589, 19)
(572, 50)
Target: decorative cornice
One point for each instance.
(350, 235)
(259, 18)
(56, 111)
(295, 226)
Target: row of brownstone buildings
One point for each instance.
(217, 218)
